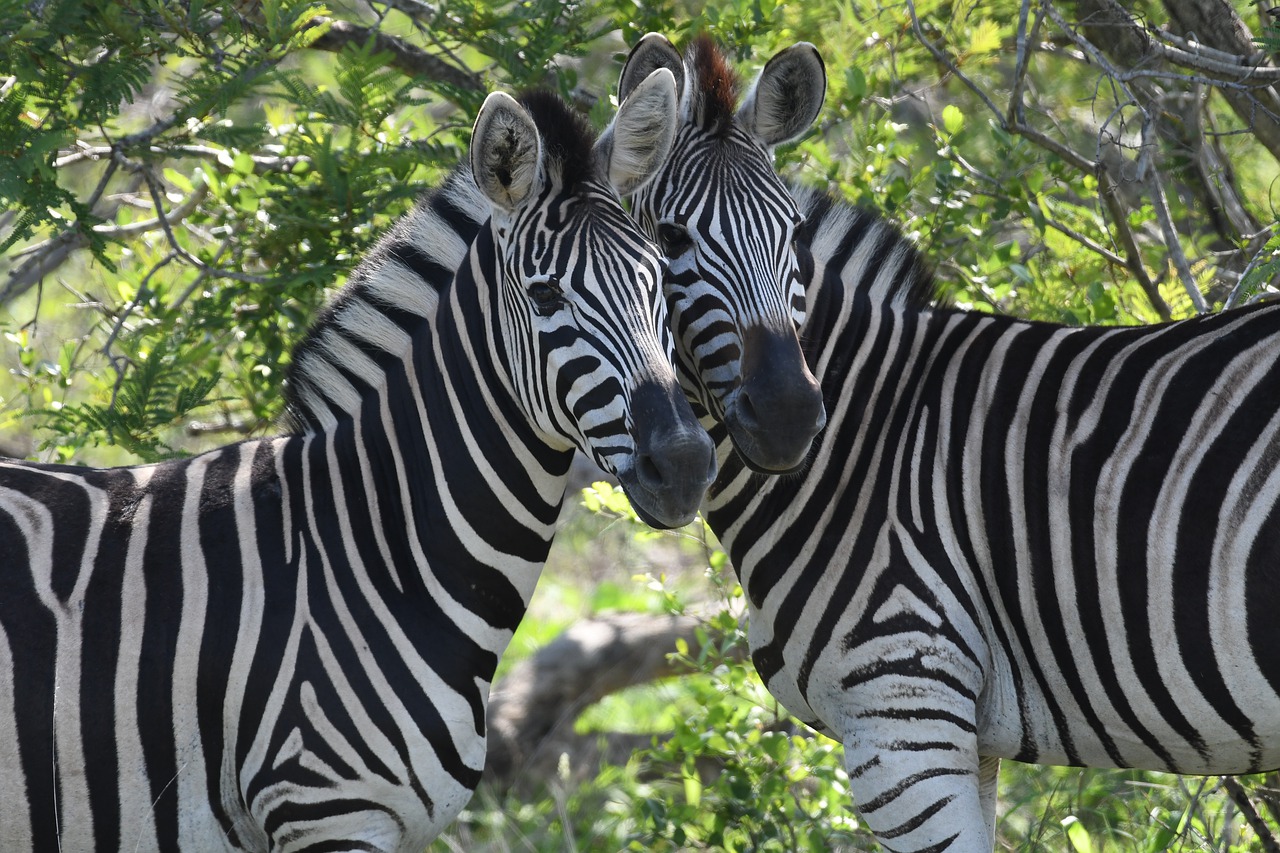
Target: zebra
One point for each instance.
(287, 643)
(1012, 540)
(726, 222)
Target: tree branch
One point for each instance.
(1216, 24)
(1241, 798)
(1148, 174)
(533, 708)
(1129, 245)
(406, 58)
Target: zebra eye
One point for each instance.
(674, 238)
(546, 295)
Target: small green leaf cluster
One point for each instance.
(1064, 808)
(749, 777)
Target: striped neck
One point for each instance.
(368, 326)
(449, 491)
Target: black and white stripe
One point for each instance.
(287, 643)
(726, 223)
(1013, 539)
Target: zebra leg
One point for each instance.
(917, 786)
(988, 790)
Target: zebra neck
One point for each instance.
(844, 339)
(444, 488)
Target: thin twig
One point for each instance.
(1016, 112)
(1129, 245)
(407, 58)
(179, 213)
(1259, 258)
(1148, 175)
(119, 363)
(942, 57)
(1240, 797)
(157, 197)
(1086, 242)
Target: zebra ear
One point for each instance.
(652, 52)
(635, 145)
(787, 96)
(505, 151)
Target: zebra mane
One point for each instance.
(711, 92)
(395, 287)
(399, 283)
(865, 250)
(567, 138)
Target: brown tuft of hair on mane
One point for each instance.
(716, 97)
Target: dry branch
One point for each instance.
(1240, 797)
(532, 710)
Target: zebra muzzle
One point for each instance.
(674, 461)
(777, 411)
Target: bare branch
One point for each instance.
(179, 213)
(1086, 242)
(1221, 48)
(1015, 112)
(1133, 255)
(1148, 174)
(532, 709)
(1241, 798)
(942, 57)
(52, 254)
(1260, 257)
(417, 10)
(262, 163)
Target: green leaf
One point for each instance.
(179, 180)
(1162, 834)
(855, 85)
(1077, 834)
(692, 785)
(984, 37)
(952, 119)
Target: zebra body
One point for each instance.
(1014, 539)
(287, 643)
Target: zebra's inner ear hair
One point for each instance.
(787, 96)
(652, 52)
(636, 144)
(506, 152)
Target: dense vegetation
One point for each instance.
(183, 183)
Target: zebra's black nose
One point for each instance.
(777, 410)
(680, 462)
(674, 459)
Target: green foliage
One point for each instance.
(211, 160)
(731, 770)
(749, 777)
(1056, 808)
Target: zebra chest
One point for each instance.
(881, 628)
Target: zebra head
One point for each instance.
(727, 224)
(579, 320)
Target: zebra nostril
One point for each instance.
(648, 472)
(745, 410)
